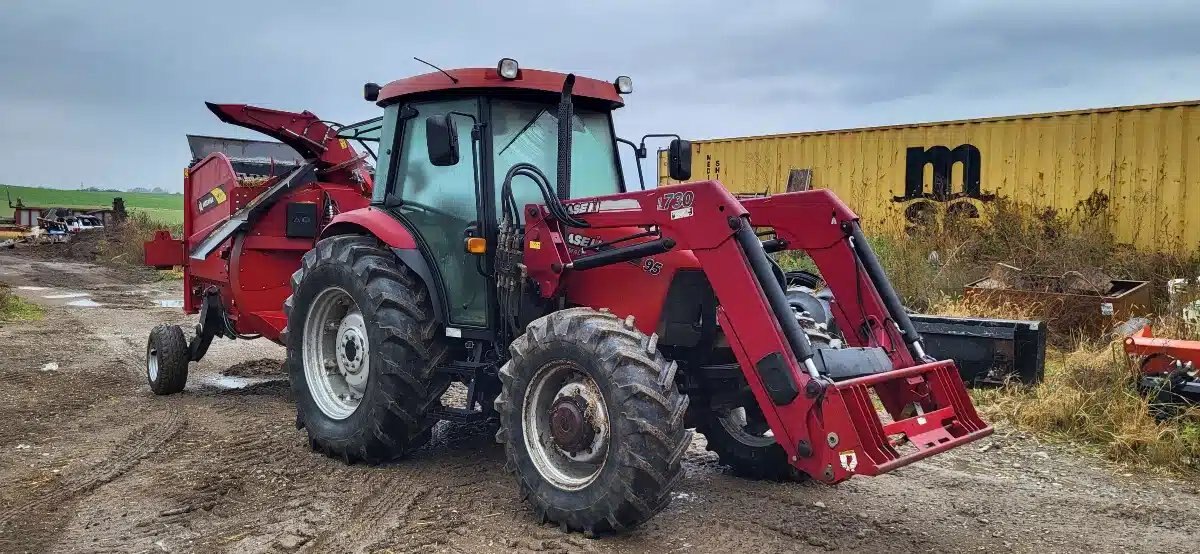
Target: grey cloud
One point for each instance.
(103, 93)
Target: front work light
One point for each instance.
(507, 68)
(624, 84)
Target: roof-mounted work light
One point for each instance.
(508, 68)
(624, 84)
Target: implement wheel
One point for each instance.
(166, 359)
(592, 421)
(362, 343)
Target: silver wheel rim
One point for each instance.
(554, 382)
(734, 422)
(336, 353)
(152, 363)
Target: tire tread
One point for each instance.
(651, 462)
(398, 423)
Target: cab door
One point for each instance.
(438, 203)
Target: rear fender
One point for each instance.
(377, 223)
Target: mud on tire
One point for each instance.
(641, 462)
(390, 419)
(166, 359)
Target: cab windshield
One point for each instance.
(528, 132)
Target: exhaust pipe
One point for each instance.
(566, 111)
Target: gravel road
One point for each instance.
(91, 461)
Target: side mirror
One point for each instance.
(679, 160)
(441, 137)
(371, 92)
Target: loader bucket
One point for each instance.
(937, 415)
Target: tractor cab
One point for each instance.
(443, 147)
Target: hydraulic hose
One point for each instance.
(552, 202)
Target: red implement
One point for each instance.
(1161, 355)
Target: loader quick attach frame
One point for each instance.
(829, 430)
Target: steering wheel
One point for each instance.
(428, 209)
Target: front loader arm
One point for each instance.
(829, 431)
(818, 223)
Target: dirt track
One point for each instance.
(91, 461)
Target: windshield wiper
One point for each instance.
(523, 129)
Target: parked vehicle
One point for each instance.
(80, 223)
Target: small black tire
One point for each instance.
(642, 457)
(750, 456)
(166, 359)
(405, 341)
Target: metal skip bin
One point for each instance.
(1066, 310)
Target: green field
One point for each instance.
(167, 208)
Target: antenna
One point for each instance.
(452, 78)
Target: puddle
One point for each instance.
(85, 303)
(27, 287)
(66, 295)
(228, 382)
(170, 303)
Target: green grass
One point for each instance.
(167, 208)
(13, 308)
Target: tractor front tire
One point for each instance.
(166, 359)
(362, 344)
(592, 421)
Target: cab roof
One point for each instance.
(480, 79)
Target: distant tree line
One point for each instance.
(155, 190)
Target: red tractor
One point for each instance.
(496, 244)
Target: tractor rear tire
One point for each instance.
(388, 328)
(748, 452)
(621, 462)
(166, 359)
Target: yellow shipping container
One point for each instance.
(1142, 163)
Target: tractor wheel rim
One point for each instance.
(568, 458)
(336, 353)
(152, 363)
(735, 424)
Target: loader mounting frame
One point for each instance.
(829, 430)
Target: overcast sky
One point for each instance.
(102, 93)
